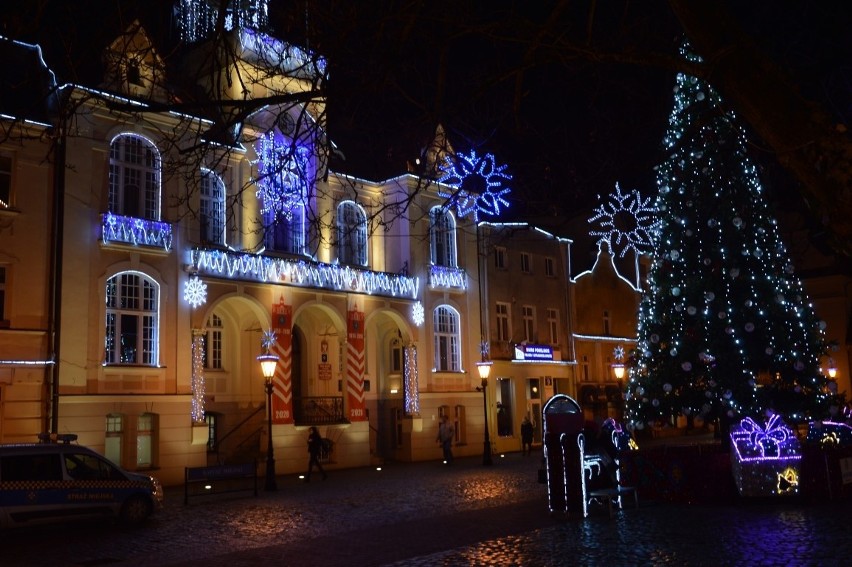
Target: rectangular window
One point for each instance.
(505, 426)
(606, 322)
(549, 269)
(553, 325)
(4, 322)
(528, 313)
(526, 263)
(145, 441)
(113, 437)
(213, 343)
(500, 257)
(396, 357)
(5, 182)
(503, 323)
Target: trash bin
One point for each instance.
(563, 427)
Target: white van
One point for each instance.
(57, 480)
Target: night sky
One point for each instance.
(496, 74)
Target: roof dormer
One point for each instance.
(133, 66)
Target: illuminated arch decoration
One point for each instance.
(282, 169)
(627, 222)
(463, 173)
(195, 292)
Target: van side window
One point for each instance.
(30, 467)
(86, 467)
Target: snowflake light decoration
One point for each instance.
(195, 292)
(618, 353)
(627, 222)
(464, 173)
(418, 315)
(267, 340)
(282, 169)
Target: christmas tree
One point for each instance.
(725, 327)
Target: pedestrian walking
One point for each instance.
(526, 436)
(446, 433)
(314, 450)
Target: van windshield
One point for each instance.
(81, 466)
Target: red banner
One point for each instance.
(355, 365)
(282, 393)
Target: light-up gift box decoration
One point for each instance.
(765, 459)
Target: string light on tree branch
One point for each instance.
(283, 169)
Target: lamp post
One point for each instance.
(484, 369)
(832, 368)
(267, 366)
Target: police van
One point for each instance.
(58, 480)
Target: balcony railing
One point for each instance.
(318, 410)
(135, 231)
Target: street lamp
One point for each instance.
(618, 367)
(832, 369)
(484, 369)
(267, 366)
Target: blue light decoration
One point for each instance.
(268, 339)
(136, 231)
(283, 169)
(447, 277)
(195, 292)
(627, 222)
(464, 172)
(765, 459)
(197, 19)
(265, 269)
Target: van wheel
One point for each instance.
(135, 510)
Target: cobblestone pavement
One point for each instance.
(428, 514)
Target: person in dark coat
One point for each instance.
(526, 436)
(315, 450)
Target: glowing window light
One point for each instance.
(195, 292)
(264, 269)
(139, 232)
(482, 172)
(447, 277)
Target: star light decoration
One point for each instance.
(418, 315)
(627, 222)
(267, 340)
(195, 292)
(458, 169)
(282, 168)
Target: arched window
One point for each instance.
(442, 237)
(285, 234)
(211, 208)
(446, 326)
(213, 343)
(134, 177)
(351, 234)
(132, 319)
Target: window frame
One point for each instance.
(446, 329)
(528, 318)
(146, 172)
(211, 195)
(503, 320)
(213, 342)
(549, 267)
(118, 315)
(351, 234)
(7, 179)
(553, 325)
(442, 238)
(500, 258)
(525, 262)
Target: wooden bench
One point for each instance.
(614, 493)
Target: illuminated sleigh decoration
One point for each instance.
(765, 460)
